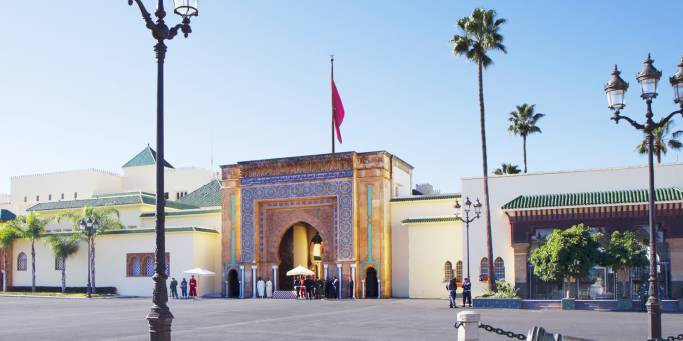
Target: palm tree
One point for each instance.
(662, 141)
(8, 234)
(63, 247)
(31, 227)
(507, 168)
(479, 35)
(103, 218)
(523, 122)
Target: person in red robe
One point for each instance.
(193, 286)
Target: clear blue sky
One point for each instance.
(78, 83)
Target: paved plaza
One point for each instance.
(123, 319)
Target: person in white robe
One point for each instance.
(269, 289)
(260, 287)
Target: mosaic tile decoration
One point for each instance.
(303, 202)
(342, 189)
(346, 173)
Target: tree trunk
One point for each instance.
(33, 265)
(92, 265)
(487, 216)
(64, 276)
(524, 147)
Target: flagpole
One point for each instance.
(332, 96)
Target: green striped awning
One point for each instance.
(592, 198)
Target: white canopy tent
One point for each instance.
(300, 271)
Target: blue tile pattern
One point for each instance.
(347, 173)
(341, 189)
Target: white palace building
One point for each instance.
(255, 219)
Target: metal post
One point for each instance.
(653, 307)
(88, 290)
(469, 325)
(467, 231)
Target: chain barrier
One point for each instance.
(498, 331)
(668, 338)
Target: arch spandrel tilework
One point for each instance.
(342, 189)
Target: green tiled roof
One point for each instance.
(6, 215)
(146, 157)
(142, 230)
(181, 212)
(592, 198)
(428, 197)
(208, 195)
(438, 219)
(135, 198)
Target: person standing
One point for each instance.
(269, 289)
(467, 293)
(452, 287)
(183, 288)
(335, 286)
(193, 287)
(350, 287)
(174, 288)
(260, 288)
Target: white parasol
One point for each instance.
(199, 272)
(300, 271)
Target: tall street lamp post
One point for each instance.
(160, 316)
(467, 220)
(616, 88)
(88, 227)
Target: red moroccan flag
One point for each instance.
(337, 110)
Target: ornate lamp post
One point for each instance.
(616, 88)
(160, 316)
(467, 220)
(88, 227)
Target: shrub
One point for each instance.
(505, 290)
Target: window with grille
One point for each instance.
(458, 271)
(499, 267)
(21, 262)
(142, 264)
(59, 263)
(447, 271)
(484, 270)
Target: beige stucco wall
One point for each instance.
(431, 245)
(400, 239)
(187, 250)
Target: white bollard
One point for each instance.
(469, 330)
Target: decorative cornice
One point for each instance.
(437, 219)
(348, 173)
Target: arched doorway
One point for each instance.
(233, 284)
(371, 289)
(296, 249)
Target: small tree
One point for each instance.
(105, 218)
(8, 234)
(63, 247)
(622, 251)
(567, 254)
(507, 168)
(30, 227)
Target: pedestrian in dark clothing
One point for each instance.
(308, 283)
(319, 285)
(467, 293)
(183, 288)
(335, 287)
(452, 286)
(174, 288)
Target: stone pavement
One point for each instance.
(396, 319)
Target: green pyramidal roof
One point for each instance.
(593, 198)
(146, 157)
(208, 195)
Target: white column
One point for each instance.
(325, 271)
(379, 288)
(363, 284)
(341, 285)
(274, 277)
(241, 281)
(353, 278)
(253, 281)
(469, 329)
